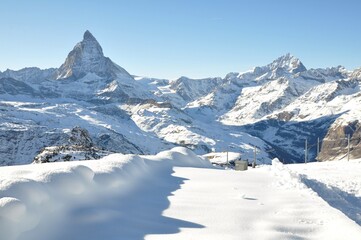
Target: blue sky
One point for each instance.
(173, 38)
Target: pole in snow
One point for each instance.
(348, 147)
(255, 157)
(318, 146)
(306, 151)
(227, 159)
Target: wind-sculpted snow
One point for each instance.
(58, 200)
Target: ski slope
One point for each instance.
(177, 195)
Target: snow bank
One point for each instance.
(32, 195)
(183, 157)
(285, 177)
(332, 174)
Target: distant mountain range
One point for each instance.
(274, 108)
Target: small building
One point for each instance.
(240, 165)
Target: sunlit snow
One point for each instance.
(177, 195)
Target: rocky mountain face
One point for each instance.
(80, 147)
(87, 57)
(90, 106)
(337, 140)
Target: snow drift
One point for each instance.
(35, 198)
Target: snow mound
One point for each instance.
(12, 208)
(183, 157)
(33, 195)
(285, 177)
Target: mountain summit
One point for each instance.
(289, 63)
(87, 57)
(89, 37)
(284, 65)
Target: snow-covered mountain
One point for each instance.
(274, 108)
(87, 57)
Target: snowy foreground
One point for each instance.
(177, 195)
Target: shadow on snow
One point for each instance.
(129, 214)
(347, 203)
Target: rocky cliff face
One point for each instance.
(335, 145)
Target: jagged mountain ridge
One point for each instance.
(264, 107)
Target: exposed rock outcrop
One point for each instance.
(335, 144)
(80, 147)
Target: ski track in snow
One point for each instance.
(172, 195)
(329, 181)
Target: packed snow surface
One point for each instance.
(178, 195)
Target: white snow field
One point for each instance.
(177, 195)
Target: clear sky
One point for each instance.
(173, 38)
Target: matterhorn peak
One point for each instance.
(88, 36)
(90, 42)
(289, 63)
(87, 57)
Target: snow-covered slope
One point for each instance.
(228, 94)
(11, 86)
(254, 103)
(31, 75)
(27, 127)
(192, 89)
